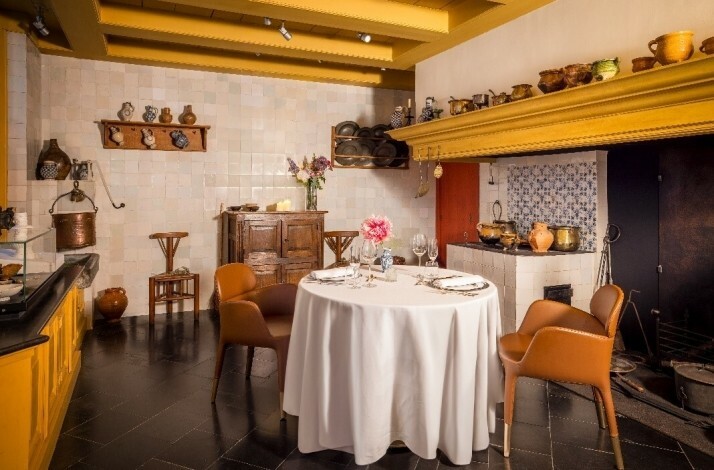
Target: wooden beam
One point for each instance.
(392, 19)
(163, 26)
(79, 20)
(4, 169)
(165, 55)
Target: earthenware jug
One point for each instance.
(540, 238)
(165, 117)
(180, 139)
(48, 170)
(188, 117)
(126, 111)
(606, 68)
(112, 303)
(672, 47)
(55, 154)
(116, 135)
(150, 114)
(148, 138)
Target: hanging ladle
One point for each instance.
(420, 190)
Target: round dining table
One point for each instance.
(402, 361)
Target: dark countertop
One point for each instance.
(24, 333)
(498, 248)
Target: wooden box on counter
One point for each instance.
(279, 246)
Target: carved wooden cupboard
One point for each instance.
(279, 246)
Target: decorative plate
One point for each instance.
(348, 147)
(379, 130)
(346, 128)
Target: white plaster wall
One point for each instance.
(558, 34)
(255, 124)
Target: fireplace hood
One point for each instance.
(665, 102)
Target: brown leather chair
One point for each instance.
(253, 317)
(562, 343)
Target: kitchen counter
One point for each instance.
(522, 251)
(21, 334)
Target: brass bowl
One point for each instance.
(551, 80)
(643, 63)
(509, 240)
(10, 270)
(578, 74)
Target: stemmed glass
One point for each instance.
(354, 264)
(419, 245)
(369, 254)
(432, 267)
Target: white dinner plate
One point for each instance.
(467, 287)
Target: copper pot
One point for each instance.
(578, 74)
(565, 238)
(74, 230)
(460, 106)
(499, 99)
(551, 80)
(489, 233)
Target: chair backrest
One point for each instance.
(234, 279)
(606, 305)
(339, 241)
(168, 245)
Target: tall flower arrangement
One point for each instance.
(377, 228)
(312, 172)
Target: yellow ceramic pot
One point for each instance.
(673, 47)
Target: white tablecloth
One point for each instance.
(399, 361)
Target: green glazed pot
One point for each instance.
(606, 68)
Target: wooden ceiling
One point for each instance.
(231, 36)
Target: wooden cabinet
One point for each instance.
(279, 246)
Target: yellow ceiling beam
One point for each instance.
(141, 52)
(80, 22)
(371, 16)
(468, 29)
(188, 30)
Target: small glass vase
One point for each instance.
(311, 196)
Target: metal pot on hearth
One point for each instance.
(565, 237)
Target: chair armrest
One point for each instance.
(568, 355)
(243, 323)
(543, 313)
(276, 299)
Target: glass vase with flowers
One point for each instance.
(310, 174)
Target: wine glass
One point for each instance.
(354, 264)
(419, 245)
(432, 267)
(369, 254)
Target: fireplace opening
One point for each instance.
(561, 293)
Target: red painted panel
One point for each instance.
(456, 205)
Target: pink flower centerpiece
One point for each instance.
(377, 228)
(311, 174)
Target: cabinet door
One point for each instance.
(267, 274)
(302, 238)
(293, 272)
(261, 241)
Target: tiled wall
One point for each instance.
(559, 194)
(255, 124)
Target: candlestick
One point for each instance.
(409, 103)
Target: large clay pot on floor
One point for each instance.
(112, 303)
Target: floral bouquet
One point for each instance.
(310, 173)
(377, 228)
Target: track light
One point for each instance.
(286, 34)
(39, 24)
(267, 21)
(364, 37)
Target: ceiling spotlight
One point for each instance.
(383, 69)
(39, 24)
(257, 54)
(267, 21)
(364, 37)
(286, 34)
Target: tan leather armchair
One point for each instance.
(253, 317)
(562, 343)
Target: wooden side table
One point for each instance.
(169, 287)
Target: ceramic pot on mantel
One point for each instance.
(165, 117)
(188, 117)
(112, 303)
(55, 154)
(540, 238)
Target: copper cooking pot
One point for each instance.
(460, 106)
(565, 238)
(74, 229)
(489, 233)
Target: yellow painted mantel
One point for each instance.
(665, 102)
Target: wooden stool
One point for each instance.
(339, 241)
(169, 287)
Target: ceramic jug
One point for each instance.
(150, 113)
(180, 139)
(48, 170)
(673, 47)
(126, 111)
(148, 138)
(188, 117)
(540, 238)
(116, 135)
(112, 303)
(165, 117)
(55, 154)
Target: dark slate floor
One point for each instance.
(142, 400)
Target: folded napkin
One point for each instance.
(458, 281)
(331, 273)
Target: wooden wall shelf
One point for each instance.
(665, 102)
(133, 138)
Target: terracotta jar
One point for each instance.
(673, 47)
(165, 117)
(112, 303)
(540, 238)
(188, 117)
(551, 80)
(55, 154)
